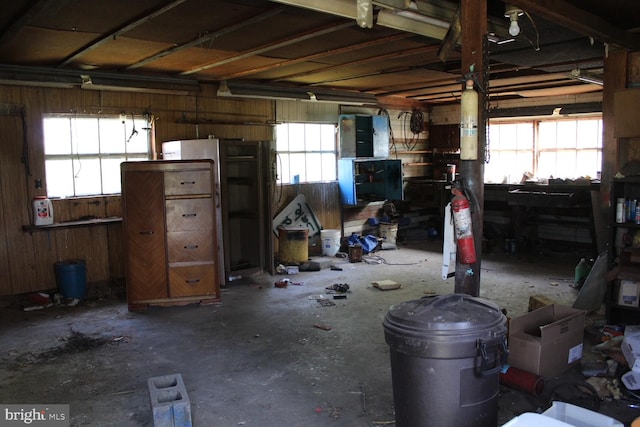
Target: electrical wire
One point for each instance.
(416, 126)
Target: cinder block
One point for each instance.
(170, 403)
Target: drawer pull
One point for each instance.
(192, 281)
(147, 233)
(191, 247)
(189, 215)
(187, 183)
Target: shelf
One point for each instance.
(71, 224)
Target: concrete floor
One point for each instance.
(259, 359)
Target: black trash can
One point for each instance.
(446, 355)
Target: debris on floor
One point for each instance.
(386, 285)
(338, 287)
(323, 327)
(326, 302)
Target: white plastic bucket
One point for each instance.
(330, 242)
(388, 231)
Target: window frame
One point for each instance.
(538, 149)
(100, 153)
(332, 154)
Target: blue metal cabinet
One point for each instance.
(363, 136)
(366, 180)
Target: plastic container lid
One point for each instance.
(443, 325)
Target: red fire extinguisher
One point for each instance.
(463, 226)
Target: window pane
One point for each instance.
(547, 164)
(508, 136)
(296, 137)
(328, 138)
(589, 134)
(567, 134)
(314, 167)
(547, 135)
(111, 175)
(112, 136)
(329, 167)
(137, 138)
(59, 174)
(312, 137)
(87, 176)
(296, 167)
(84, 133)
(57, 136)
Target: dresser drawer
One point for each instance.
(181, 183)
(192, 280)
(189, 214)
(185, 246)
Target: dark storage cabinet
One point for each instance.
(623, 292)
(363, 136)
(362, 181)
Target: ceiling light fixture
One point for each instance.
(413, 22)
(586, 77)
(236, 89)
(513, 12)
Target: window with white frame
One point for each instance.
(83, 154)
(543, 149)
(306, 152)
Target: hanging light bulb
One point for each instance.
(513, 12)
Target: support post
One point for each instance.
(473, 19)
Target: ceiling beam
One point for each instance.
(28, 14)
(115, 33)
(323, 54)
(316, 32)
(377, 58)
(210, 36)
(564, 13)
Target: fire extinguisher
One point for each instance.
(463, 226)
(469, 123)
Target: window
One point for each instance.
(306, 152)
(83, 154)
(563, 148)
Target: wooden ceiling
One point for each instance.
(307, 48)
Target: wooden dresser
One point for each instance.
(170, 232)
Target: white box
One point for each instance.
(629, 293)
(631, 346)
(530, 419)
(578, 416)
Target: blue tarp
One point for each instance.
(368, 242)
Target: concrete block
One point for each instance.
(170, 403)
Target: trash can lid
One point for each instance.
(451, 314)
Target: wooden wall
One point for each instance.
(27, 259)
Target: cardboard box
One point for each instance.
(537, 301)
(546, 341)
(629, 293)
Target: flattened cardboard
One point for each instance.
(546, 341)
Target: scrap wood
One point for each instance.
(385, 285)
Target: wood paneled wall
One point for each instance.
(27, 259)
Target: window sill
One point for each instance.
(71, 224)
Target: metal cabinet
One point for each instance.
(623, 293)
(367, 180)
(363, 135)
(169, 232)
